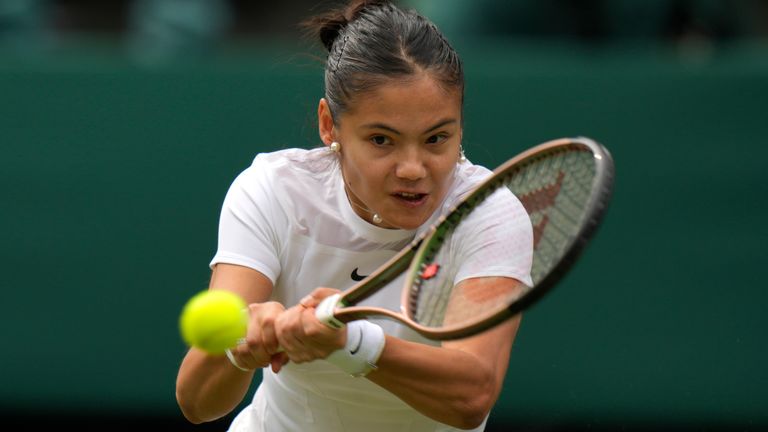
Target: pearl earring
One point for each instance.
(376, 218)
(462, 156)
(335, 147)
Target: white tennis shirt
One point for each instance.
(287, 216)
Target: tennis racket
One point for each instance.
(565, 186)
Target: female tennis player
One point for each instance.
(297, 221)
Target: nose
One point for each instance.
(410, 165)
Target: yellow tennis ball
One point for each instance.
(213, 321)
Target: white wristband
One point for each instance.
(365, 342)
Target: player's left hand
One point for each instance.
(302, 336)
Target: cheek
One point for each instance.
(359, 174)
(446, 170)
(444, 178)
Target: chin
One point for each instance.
(409, 223)
(407, 219)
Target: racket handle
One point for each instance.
(325, 309)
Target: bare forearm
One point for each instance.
(208, 388)
(447, 385)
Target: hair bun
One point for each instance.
(328, 26)
(330, 30)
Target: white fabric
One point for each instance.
(365, 343)
(288, 217)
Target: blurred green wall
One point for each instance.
(111, 178)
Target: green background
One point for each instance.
(112, 176)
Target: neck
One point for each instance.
(361, 209)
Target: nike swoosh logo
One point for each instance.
(357, 277)
(359, 343)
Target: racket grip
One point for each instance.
(324, 311)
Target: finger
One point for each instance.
(321, 337)
(309, 301)
(289, 330)
(317, 295)
(263, 323)
(311, 326)
(269, 337)
(250, 351)
(278, 361)
(301, 347)
(249, 359)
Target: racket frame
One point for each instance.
(341, 308)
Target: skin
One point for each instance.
(388, 147)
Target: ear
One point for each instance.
(325, 122)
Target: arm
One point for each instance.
(209, 387)
(457, 383)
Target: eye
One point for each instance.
(437, 138)
(379, 140)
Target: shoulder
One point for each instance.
(289, 168)
(301, 183)
(467, 177)
(501, 202)
(295, 160)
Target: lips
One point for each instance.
(411, 198)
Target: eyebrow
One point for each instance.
(438, 125)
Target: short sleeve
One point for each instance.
(495, 240)
(250, 223)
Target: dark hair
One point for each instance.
(372, 41)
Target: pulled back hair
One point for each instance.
(370, 42)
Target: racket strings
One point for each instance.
(556, 221)
(429, 292)
(434, 300)
(554, 189)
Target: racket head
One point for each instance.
(565, 186)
